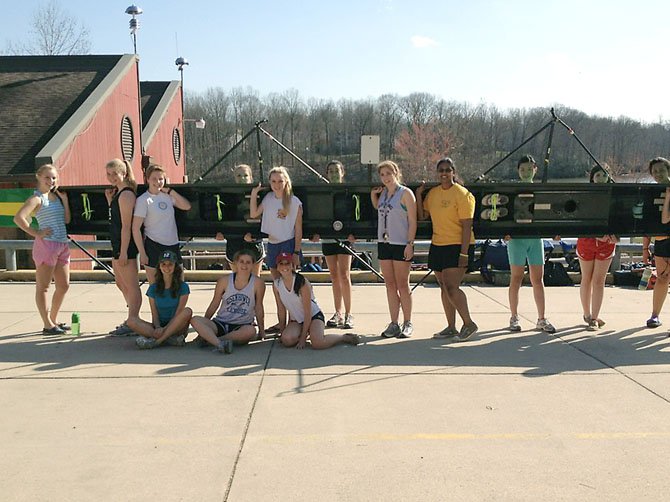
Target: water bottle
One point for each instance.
(644, 280)
(75, 323)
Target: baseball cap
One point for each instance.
(284, 257)
(168, 255)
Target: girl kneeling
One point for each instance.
(294, 295)
(170, 316)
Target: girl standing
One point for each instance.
(121, 200)
(595, 257)
(338, 260)
(396, 205)
(296, 297)
(659, 168)
(527, 250)
(155, 210)
(282, 221)
(51, 252)
(450, 207)
(170, 316)
(244, 176)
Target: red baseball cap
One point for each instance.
(284, 257)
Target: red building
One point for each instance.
(78, 112)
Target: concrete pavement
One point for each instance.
(505, 416)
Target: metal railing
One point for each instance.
(216, 249)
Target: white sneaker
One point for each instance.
(545, 325)
(336, 321)
(514, 323)
(348, 321)
(406, 330)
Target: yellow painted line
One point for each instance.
(10, 208)
(512, 436)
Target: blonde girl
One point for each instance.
(396, 206)
(282, 221)
(51, 252)
(121, 200)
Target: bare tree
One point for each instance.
(53, 32)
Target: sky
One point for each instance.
(606, 58)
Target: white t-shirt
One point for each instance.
(158, 213)
(278, 226)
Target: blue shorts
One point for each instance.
(275, 250)
(520, 250)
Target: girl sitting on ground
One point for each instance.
(170, 316)
(295, 296)
(238, 298)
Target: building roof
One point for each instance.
(38, 95)
(156, 99)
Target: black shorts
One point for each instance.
(395, 252)
(662, 248)
(319, 316)
(234, 245)
(154, 250)
(441, 257)
(223, 328)
(335, 248)
(116, 249)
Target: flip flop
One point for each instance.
(491, 199)
(494, 214)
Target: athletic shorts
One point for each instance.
(441, 257)
(275, 250)
(154, 250)
(116, 249)
(223, 328)
(334, 248)
(239, 244)
(395, 252)
(519, 250)
(319, 317)
(662, 248)
(590, 248)
(51, 253)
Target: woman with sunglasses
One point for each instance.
(450, 207)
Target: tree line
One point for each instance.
(414, 130)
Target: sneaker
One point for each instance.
(336, 321)
(225, 347)
(406, 330)
(467, 331)
(122, 330)
(587, 319)
(545, 325)
(64, 326)
(600, 322)
(392, 330)
(176, 340)
(351, 338)
(143, 342)
(653, 322)
(514, 323)
(56, 330)
(200, 342)
(348, 321)
(592, 325)
(447, 332)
